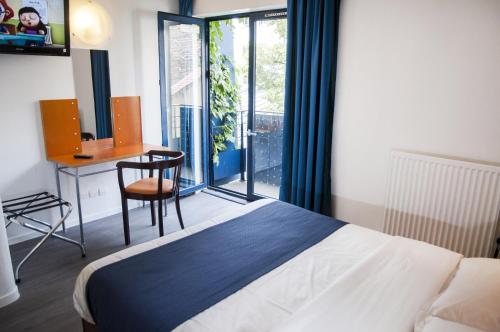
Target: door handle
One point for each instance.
(251, 133)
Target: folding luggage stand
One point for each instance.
(19, 211)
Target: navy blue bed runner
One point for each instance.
(160, 289)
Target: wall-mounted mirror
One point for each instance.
(93, 91)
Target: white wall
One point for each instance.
(133, 54)
(133, 57)
(220, 7)
(419, 75)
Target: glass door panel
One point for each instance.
(268, 105)
(228, 91)
(182, 91)
(246, 56)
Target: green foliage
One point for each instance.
(271, 67)
(224, 93)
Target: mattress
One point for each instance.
(357, 271)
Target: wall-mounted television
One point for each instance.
(35, 27)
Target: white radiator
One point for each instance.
(450, 203)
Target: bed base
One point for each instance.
(87, 327)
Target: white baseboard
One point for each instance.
(73, 221)
(364, 214)
(352, 211)
(26, 234)
(358, 213)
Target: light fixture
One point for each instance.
(90, 23)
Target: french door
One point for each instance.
(222, 96)
(183, 94)
(267, 68)
(246, 59)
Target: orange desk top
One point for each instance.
(104, 151)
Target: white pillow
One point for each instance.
(473, 295)
(434, 324)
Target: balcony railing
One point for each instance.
(267, 149)
(267, 146)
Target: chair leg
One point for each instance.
(153, 213)
(126, 228)
(178, 208)
(160, 217)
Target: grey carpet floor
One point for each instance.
(48, 279)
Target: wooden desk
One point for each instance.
(103, 151)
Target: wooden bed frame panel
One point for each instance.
(126, 120)
(87, 327)
(61, 127)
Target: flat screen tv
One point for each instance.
(35, 27)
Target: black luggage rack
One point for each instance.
(20, 210)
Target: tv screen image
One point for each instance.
(34, 27)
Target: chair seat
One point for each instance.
(149, 186)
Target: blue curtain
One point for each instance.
(309, 103)
(186, 7)
(102, 92)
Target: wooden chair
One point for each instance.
(87, 136)
(152, 188)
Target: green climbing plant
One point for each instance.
(224, 92)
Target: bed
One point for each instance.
(330, 276)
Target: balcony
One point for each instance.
(231, 172)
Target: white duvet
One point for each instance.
(354, 280)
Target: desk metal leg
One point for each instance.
(58, 182)
(79, 204)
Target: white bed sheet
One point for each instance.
(79, 297)
(384, 294)
(275, 297)
(272, 300)
(435, 324)
(266, 302)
